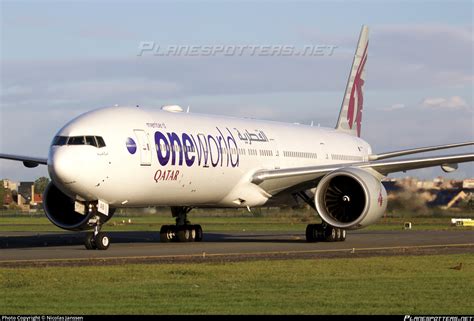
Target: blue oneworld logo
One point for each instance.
(201, 149)
(131, 146)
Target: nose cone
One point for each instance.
(61, 166)
(75, 170)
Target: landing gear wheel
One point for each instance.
(310, 233)
(331, 234)
(193, 233)
(315, 233)
(89, 242)
(343, 236)
(198, 230)
(183, 231)
(167, 233)
(320, 232)
(183, 234)
(102, 241)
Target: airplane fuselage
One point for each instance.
(153, 158)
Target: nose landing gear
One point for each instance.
(97, 240)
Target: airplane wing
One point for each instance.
(277, 180)
(28, 161)
(416, 150)
(393, 166)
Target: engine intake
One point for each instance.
(350, 198)
(59, 209)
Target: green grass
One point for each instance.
(211, 224)
(383, 285)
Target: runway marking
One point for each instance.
(205, 254)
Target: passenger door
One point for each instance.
(144, 146)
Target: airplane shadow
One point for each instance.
(77, 238)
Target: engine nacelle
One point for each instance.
(59, 209)
(350, 198)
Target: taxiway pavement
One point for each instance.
(64, 248)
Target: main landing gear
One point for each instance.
(183, 231)
(324, 232)
(97, 240)
(321, 232)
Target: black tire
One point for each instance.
(166, 233)
(192, 233)
(199, 234)
(102, 241)
(89, 242)
(164, 228)
(331, 234)
(343, 235)
(310, 233)
(319, 233)
(183, 234)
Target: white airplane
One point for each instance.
(130, 157)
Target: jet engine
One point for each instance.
(350, 198)
(60, 210)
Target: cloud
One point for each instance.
(106, 32)
(435, 45)
(99, 92)
(143, 78)
(400, 57)
(406, 56)
(454, 102)
(98, 89)
(394, 107)
(434, 54)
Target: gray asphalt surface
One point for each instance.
(64, 248)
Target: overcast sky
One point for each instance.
(60, 59)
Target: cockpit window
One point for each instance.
(60, 140)
(90, 140)
(95, 141)
(100, 142)
(76, 140)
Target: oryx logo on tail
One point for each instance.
(356, 102)
(350, 116)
